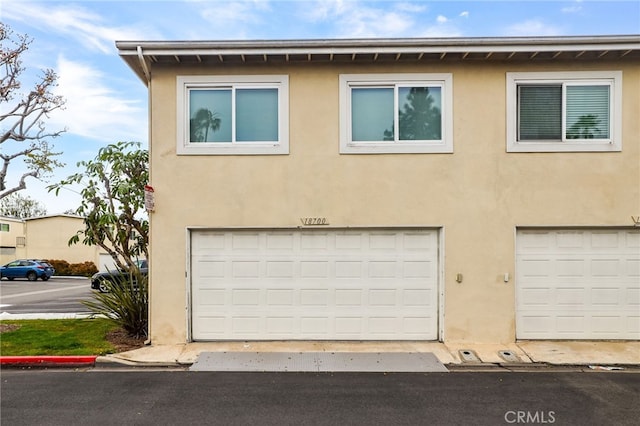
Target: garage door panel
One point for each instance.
(279, 241)
(418, 269)
(633, 297)
(570, 325)
(321, 284)
(632, 268)
(210, 240)
(633, 324)
(577, 284)
(579, 326)
(576, 241)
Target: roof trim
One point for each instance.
(49, 216)
(143, 54)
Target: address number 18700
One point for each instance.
(314, 221)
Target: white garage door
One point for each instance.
(314, 285)
(578, 284)
(107, 263)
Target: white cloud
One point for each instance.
(232, 13)
(464, 14)
(230, 20)
(441, 19)
(321, 10)
(576, 7)
(363, 20)
(411, 7)
(73, 21)
(532, 27)
(372, 23)
(92, 109)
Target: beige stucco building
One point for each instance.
(12, 238)
(462, 190)
(45, 237)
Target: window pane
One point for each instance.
(420, 115)
(372, 114)
(588, 112)
(210, 115)
(257, 115)
(540, 112)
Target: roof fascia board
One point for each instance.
(380, 50)
(140, 55)
(261, 47)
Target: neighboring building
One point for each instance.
(12, 238)
(46, 237)
(470, 190)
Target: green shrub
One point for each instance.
(126, 303)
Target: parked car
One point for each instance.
(31, 269)
(102, 281)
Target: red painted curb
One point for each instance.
(48, 360)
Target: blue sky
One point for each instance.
(106, 102)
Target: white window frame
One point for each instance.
(611, 78)
(349, 81)
(186, 83)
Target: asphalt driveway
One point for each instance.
(152, 397)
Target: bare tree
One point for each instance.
(23, 135)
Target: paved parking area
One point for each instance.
(59, 295)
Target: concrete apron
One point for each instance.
(599, 353)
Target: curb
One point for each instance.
(70, 277)
(48, 361)
(114, 360)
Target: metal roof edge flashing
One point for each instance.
(309, 45)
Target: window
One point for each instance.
(8, 251)
(233, 115)
(566, 111)
(396, 113)
(4, 227)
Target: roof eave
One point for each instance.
(137, 53)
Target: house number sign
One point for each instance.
(314, 221)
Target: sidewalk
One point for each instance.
(529, 353)
(455, 354)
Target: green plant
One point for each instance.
(113, 202)
(126, 304)
(56, 337)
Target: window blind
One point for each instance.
(588, 112)
(540, 112)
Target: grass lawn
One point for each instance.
(57, 337)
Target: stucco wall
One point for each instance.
(48, 237)
(478, 195)
(9, 247)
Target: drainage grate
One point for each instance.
(509, 356)
(467, 355)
